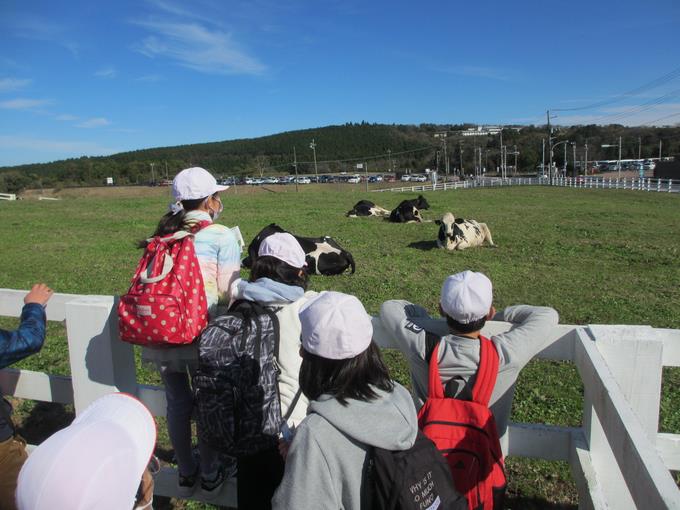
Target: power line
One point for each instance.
(662, 80)
(638, 109)
(662, 118)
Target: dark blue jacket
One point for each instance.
(15, 346)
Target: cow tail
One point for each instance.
(351, 261)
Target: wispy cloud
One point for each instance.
(659, 115)
(66, 117)
(58, 146)
(196, 47)
(179, 11)
(10, 84)
(40, 29)
(106, 72)
(94, 122)
(477, 72)
(149, 78)
(23, 104)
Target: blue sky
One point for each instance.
(91, 78)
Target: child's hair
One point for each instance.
(460, 327)
(344, 378)
(279, 271)
(172, 222)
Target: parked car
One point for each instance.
(405, 178)
(355, 179)
(418, 178)
(270, 180)
(304, 180)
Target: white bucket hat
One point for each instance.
(96, 462)
(335, 326)
(466, 297)
(285, 247)
(194, 183)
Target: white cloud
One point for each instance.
(58, 146)
(10, 84)
(23, 104)
(197, 47)
(40, 29)
(107, 72)
(176, 10)
(94, 122)
(658, 115)
(66, 117)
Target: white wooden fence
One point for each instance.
(589, 182)
(618, 458)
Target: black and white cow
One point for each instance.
(409, 210)
(458, 234)
(324, 255)
(367, 208)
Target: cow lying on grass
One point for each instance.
(366, 208)
(324, 255)
(408, 211)
(458, 233)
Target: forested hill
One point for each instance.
(340, 148)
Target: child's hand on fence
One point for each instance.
(40, 294)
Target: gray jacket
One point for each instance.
(402, 325)
(326, 463)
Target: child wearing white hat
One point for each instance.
(354, 406)
(197, 203)
(96, 462)
(278, 280)
(466, 304)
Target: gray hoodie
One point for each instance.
(402, 326)
(326, 462)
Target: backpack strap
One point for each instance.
(435, 388)
(200, 226)
(487, 372)
(431, 341)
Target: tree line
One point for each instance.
(383, 148)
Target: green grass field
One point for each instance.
(597, 256)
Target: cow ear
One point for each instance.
(437, 222)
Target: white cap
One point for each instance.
(96, 462)
(193, 183)
(285, 247)
(466, 297)
(335, 326)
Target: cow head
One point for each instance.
(446, 237)
(422, 203)
(254, 245)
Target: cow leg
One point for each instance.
(383, 212)
(487, 234)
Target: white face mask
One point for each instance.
(216, 214)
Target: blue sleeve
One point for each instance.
(27, 340)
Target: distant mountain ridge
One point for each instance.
(340, 148)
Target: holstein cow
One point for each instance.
(458, 234)
(366, 208)
(324, 255)
(409, 211)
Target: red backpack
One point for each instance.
(465, 432)
(166, 302)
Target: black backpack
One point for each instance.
(236, 384)
(415, 479)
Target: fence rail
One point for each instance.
(617, 457)
(582, 182)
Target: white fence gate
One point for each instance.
(618, 458)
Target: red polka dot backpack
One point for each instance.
(166, 303)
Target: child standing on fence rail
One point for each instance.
(14, 346)
(197, 202)
(466, 305)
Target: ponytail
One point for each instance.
(172, 222)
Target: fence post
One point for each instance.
(100, 362)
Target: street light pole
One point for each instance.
(313, 147)
(573, 173)
(619, 165)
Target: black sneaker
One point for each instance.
(187, 484)
(211, 487)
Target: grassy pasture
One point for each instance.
(597, 256)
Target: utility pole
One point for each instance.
(516, 153)
(153, 176)
(619, 164)
(313, 147)
(585, 168)
(659, 150)
(502, 159)
(639, 147)
(573, 173)
(550, 147)
(543, 158)
(389, 158)
(462, 173)
(446, 159)
(295, 166)
(564, 170)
